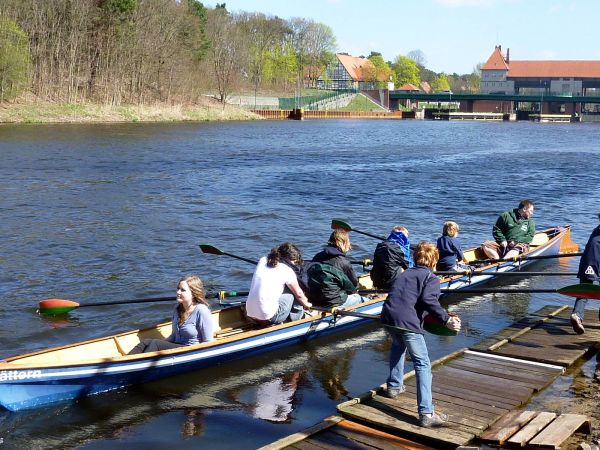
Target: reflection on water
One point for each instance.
(332, 372)
(272, 400)
(193, 425)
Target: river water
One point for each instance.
(108, 212)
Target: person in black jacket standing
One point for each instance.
(589, 270)
(414, 295)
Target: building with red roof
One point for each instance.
(500, 74)
(350, 72)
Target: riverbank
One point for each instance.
(48, 112)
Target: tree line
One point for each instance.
(140, 51)
(174, 51)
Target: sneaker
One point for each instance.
(394, 392)
(577, 324)
(433, 420)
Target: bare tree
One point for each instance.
(227, 51)
(417, 56)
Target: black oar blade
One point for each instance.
(210, 249)
(338, 224)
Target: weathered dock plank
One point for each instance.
(525, 434)
(559, 430)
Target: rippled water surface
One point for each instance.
(108, 212)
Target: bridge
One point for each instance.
(552, 102)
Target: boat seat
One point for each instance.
(539, 239)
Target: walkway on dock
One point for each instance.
(476, 387)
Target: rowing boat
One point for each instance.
(99, 365)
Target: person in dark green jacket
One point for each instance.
(331, 279)
(513, 232)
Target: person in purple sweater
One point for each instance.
(192, 320)
(414, 295)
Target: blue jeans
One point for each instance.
(288, 307)
(579, 307)
(351, 300)
(403, 340)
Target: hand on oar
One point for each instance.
(431, 325)
(57, 306)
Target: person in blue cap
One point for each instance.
(391, 258)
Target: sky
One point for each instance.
(454, 35)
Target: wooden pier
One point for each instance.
(482, 389)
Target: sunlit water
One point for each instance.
(106, 212)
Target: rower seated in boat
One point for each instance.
(192, 321)
(275, 294)
(331, 279)
(391, 258)
(452, 257)
(513, 232)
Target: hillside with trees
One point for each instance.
(143, 52)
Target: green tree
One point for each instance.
(379, 73)
(14, 59)
(440, 83)
(406, 69)
(474, 79)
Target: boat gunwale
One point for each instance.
(11, 364)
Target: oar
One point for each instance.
(509, 274)
(212, 250)
(574, 290)
(56, 306)
(338, 224)
(527, 258)
(431, 325)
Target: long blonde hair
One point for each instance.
(341, 240)
(197, 289)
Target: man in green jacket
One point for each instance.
(513, 232)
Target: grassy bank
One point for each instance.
(46, 112)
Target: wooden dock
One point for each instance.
(479, 387)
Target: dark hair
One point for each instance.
(286, 251)
(525, 204)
